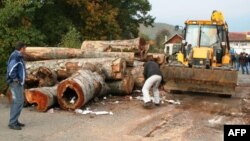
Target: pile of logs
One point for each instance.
(139, 46)
(71, 77)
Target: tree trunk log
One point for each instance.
(138, 45)
(137, 73)
(121, 87)
(77, 90)
(113, 69)
(128, 56)
(9, 97)
(42, 77)
(49, 53)
(138, 63)
(44, 97)
(157, 57)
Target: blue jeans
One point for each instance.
(243, 67)
(17, 102)
(238, 66)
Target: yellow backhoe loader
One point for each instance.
(204, 59)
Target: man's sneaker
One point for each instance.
(148, 105)
(15, 127)
(157, 104)
(20, 124)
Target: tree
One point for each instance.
(160, 38)
(71, 39)
(131, 14)
(109, 19)
(95, 19)
(52, 22)
(16, 24)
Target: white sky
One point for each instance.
(175, 12)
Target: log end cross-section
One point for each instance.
(70, 95)
(44, 97)
(122, 87)
(38, 98)
(77, 90)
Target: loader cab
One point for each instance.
(204, 43)
(201, 35)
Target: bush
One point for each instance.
(2, 84)
(71, 39)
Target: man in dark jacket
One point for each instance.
(153, 78)
(243, 63)
(16, 78)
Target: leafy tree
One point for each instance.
(109, 19)
(65, 22)
(160, 38)
(52, 21)
(131, 15)
(96, 19)
(16, 24)
(71, 39)
(144, 36)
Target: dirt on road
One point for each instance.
(182, 117)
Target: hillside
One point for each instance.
(151, 32)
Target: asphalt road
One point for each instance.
(196, 117)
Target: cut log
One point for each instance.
(42, 77)
(46, 77)
(72, 67)
(138, 63)
(77, 90)
(49, 53)
(62, 74)
(137, 73)
(43, 97)
(138, 45)
(159, 58)
(9, 97)
(121, 87)
(128, 56)
(95, 46)
(113, 69)
(31, 81)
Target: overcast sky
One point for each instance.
(175, 12)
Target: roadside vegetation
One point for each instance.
(67, 23)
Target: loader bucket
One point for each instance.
(215, 81)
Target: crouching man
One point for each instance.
(153, 79)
